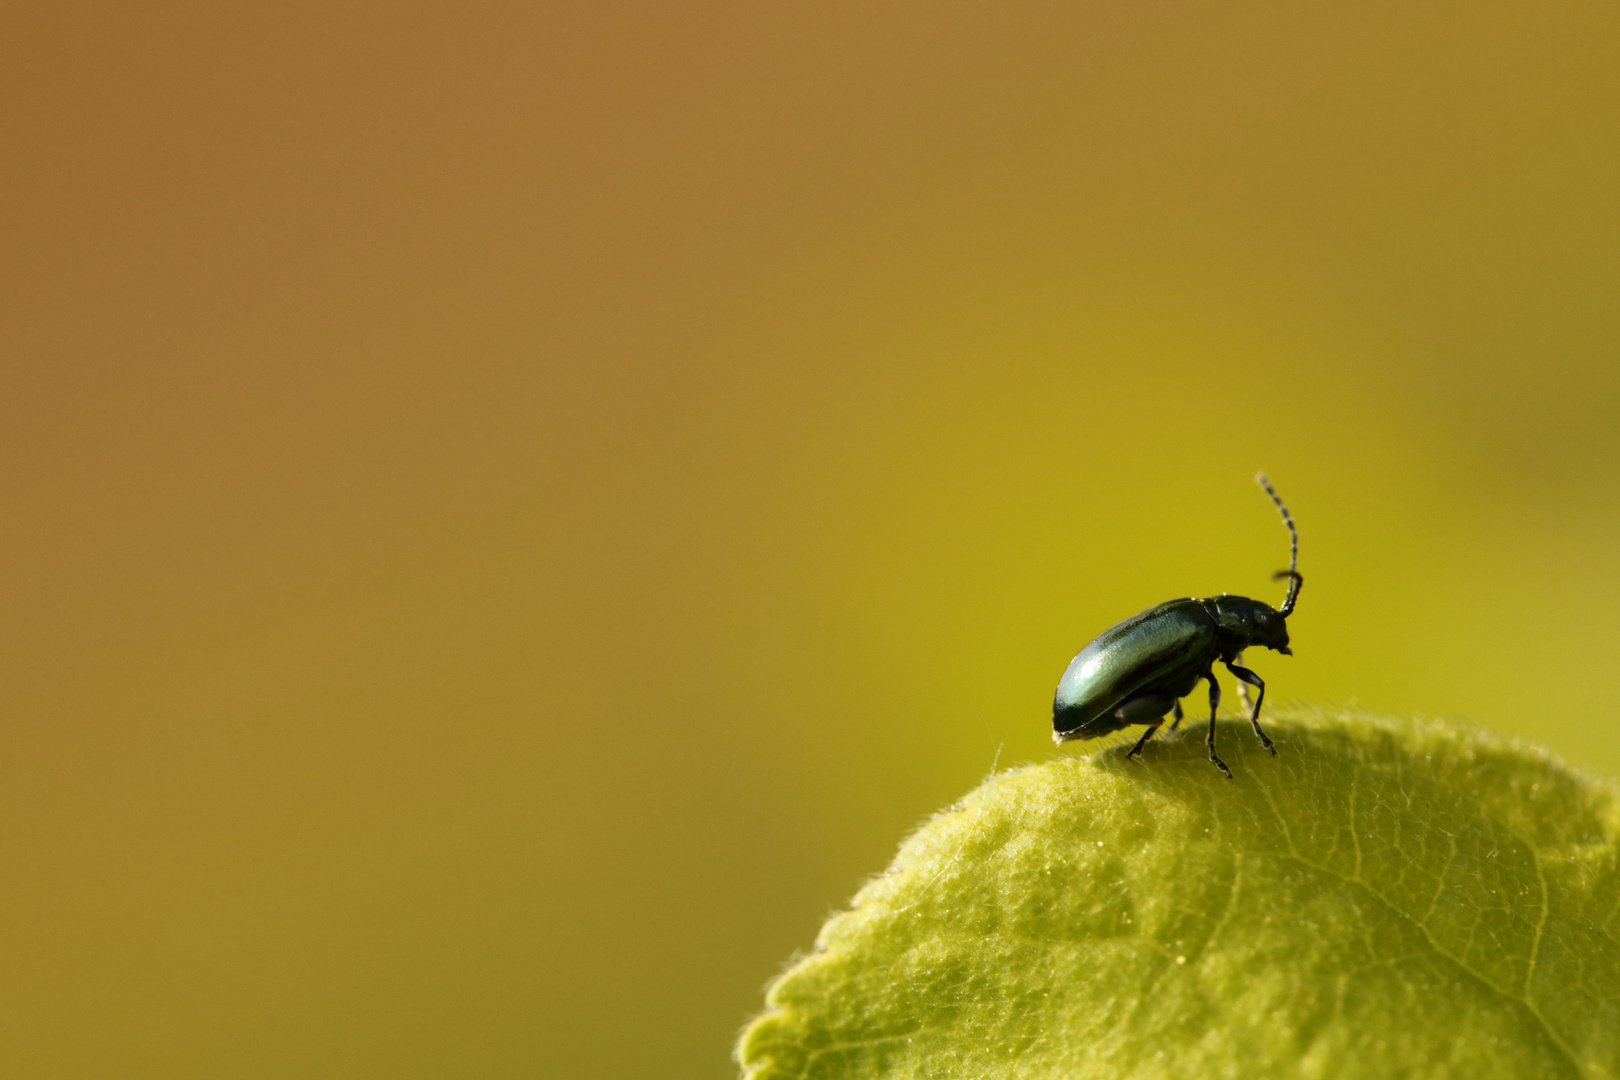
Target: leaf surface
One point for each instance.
(1382, 900)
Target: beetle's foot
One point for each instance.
(1260, 733)
(1219, 764)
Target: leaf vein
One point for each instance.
(1557, 1040)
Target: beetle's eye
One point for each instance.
(1264, 619)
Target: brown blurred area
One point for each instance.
(508, 512)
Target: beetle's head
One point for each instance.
(1253, 622)
(1270, 628)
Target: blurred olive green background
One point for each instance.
(509, 511)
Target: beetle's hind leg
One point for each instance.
(1146, 709)
(1214, 703)
(1146, 735)
(1177, 715)
(1246, 676)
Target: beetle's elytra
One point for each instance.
(1138, 670)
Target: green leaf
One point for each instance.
(1383, 899)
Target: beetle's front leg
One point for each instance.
(1214, 703)
(1255, 681)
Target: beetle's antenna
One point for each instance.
(1295, 579)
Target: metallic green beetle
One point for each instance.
(1138, 670)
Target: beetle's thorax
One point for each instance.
(1241, 622)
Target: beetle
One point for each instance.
(1138, 670)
